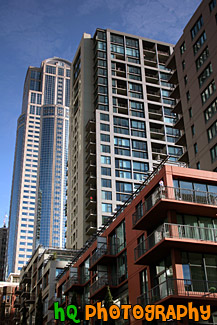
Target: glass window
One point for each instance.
(182, 48)
(202, 58)
(106, 195)
(106, 207)
(205, 74)
(106, 171)
(105, 160)
(105, 148)
(124, 187)
(212, 131)
(106, 182)
(201, 40)
(122, 142)
(104, 127)
(211, 110)
(212, 5)
(123, 164)
(104, 117)
(197, 26)
(105, 137)
(208, 92)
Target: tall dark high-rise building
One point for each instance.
(39, 178)
(195, 76)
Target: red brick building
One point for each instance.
(160, 250)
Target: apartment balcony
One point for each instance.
(184, 157)
(120, 109)
(151, 77)
(175, 93)
(17, 316)
(91, 126)
(91, 216)
(91, 179)
(177, 290)
(91, 203)
(91, 156)
(91, 167)
(157, 133)
(174, 78)
(91, 229)
(52, 301)
(158, 153)
(90, 136)
(182, 237)
(75, 283)
(31, 299)
(171, 198)
(103, 255)
(178, 107)
(150, 62)
(26, 277)
(179, 124)
(90, 191)
(91, 145)
(119, 72)
(153, 95)
(98, 288)
(25, 294)
(162, 56)
(155, 114)
(181, 141)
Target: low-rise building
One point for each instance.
(160, 248)
(37, 282)
(7, 298)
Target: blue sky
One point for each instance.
(33, 30)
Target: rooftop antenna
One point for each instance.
(5, 217)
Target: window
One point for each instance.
(202, 58)
(188, 96)
(205, 74)
(198, 165)
(201, 40)
(104, 117)
(105, 137)
(192, 130)
(183, 65)
(124, 187)
(185, 79)
(106, 195)
(208, 92)
(196, 28)
(212, 131)
(212, 5)
(123, 164)
(190, 112)
(106, 182)
(182, 48)
(211, 110)
(195, 148)
(140, 166)
(104, 127)
(105, 160)
(122, 142)
(105, 148)
(106, 171)
(106, 207)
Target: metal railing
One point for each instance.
(103, 281)
(103, 250)
(73, 280)
(174, 193)
(176, 231)
(180, 287)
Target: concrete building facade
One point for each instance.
(195, 76)
(121, 125)
(39, 177)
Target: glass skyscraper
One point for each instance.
(38, 197)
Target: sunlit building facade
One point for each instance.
(39, 176)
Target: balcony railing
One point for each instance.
(178, 194)
(180, 287)
(72, 281)
(176, 231)
(103, 250)
(102, 282)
